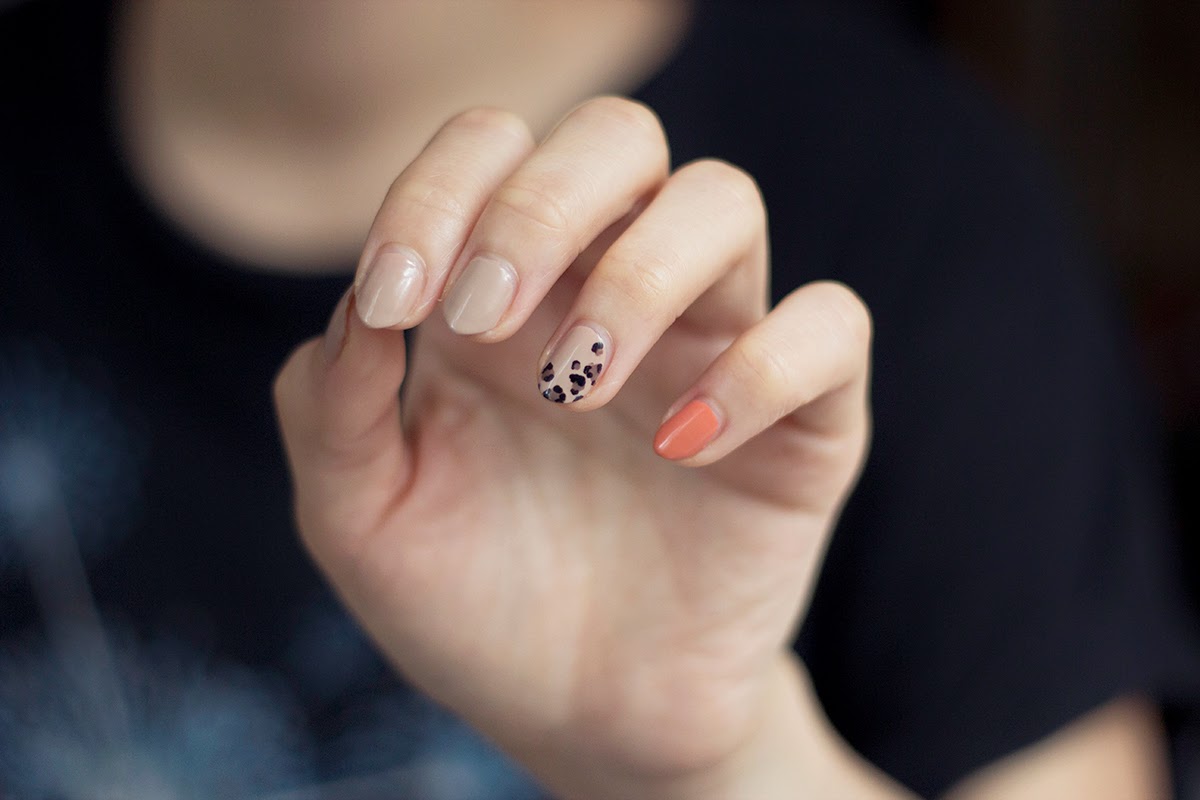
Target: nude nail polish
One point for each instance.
(574, 365)
(480, 296)
(392, 286)
(335, 331)
(687, 432)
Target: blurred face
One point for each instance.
(332, 49)
(270, 128)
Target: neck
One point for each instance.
(270, 130)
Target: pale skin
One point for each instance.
(616, 621)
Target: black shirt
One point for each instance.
(1004, 566)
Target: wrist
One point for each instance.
(791, 752)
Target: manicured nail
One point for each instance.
(335, 332)
(391, 287)
(688, 432)
(480, 296)
(574, 366)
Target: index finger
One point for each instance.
(429, 211)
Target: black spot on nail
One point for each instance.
(576, 399)
(598, 348)
(598, 368)
(577, 379)
(574, 365)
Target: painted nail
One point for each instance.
(335, 332)
(480, 296)
(391, 287)
(688, 432)
(574, 366)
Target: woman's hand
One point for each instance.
(615, 617)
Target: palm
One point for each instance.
(538, 542)
(543, 572)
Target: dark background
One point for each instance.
(1111, 88)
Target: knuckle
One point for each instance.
(435, 195)
(491, 120)
(739, 186)
(541, 206)
(764, 368)
(631, 116)
(642, 283)
(846, 314)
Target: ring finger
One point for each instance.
(698, 251)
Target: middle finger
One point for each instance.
(601, 160)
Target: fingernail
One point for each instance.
(688, 432)
(574, 366)
(480, 296)
(335, 332)
(391, 287)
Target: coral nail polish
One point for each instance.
(688, 432)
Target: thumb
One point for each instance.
(337, 399)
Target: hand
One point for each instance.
(615, 617)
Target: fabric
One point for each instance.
(1004, 566)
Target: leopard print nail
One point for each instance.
(574, 366)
